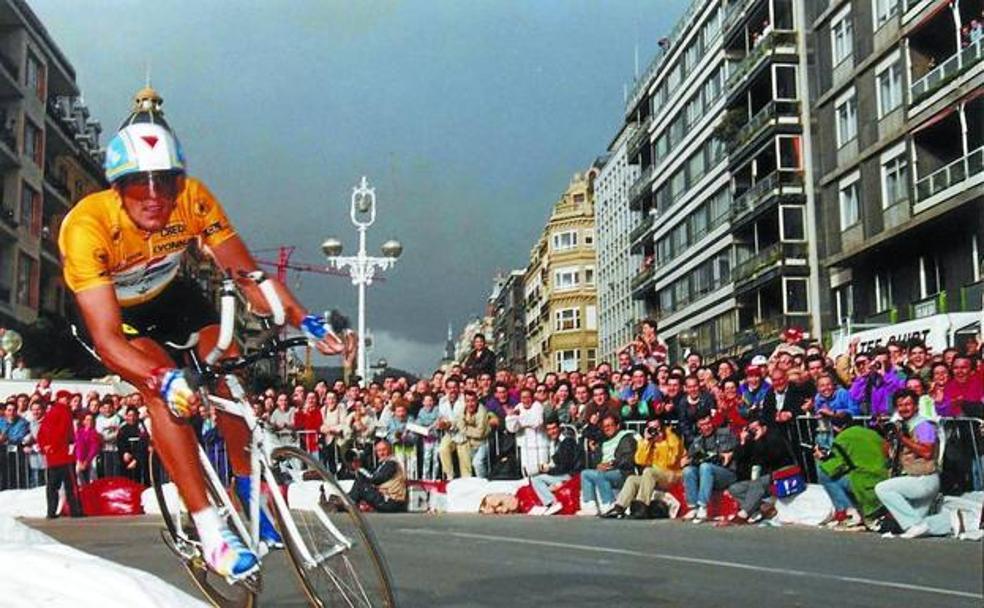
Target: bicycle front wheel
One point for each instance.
(333, 551)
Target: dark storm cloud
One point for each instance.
(469, 117)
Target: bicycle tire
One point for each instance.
(345, 515)
(213, 586)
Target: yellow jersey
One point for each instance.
(100, 244)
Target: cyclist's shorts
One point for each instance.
(176, 313)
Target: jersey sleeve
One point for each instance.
(85, 253)
(213, 226)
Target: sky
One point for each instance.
(469, 118)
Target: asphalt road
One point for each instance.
(514, 561)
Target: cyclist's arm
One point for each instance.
(232, 255)
(101, 312)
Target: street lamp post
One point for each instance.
(361, 267)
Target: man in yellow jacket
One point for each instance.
(659, 457)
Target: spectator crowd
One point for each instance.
(886, 431)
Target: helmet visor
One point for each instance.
(154, 185)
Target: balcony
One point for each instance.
(767, 330)
(643, 281)
(9, 156)
(946, 72)
(772, 114)
(639, 138)
(774, 256)
(774, 185)
(962, 170)
(56, 184)
(736, 11)
(772, 42)
(886, 317)
(929, 306)
(640, 187)
(972, 296)
(637, 238)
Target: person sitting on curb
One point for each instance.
(910, 496)
(709, 465)
(764, 450)
(566, 458)
(385, 489)
(617, 463)
(849, 471)
(659, 457)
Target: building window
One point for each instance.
(844, 303)
(592, 358)
(591, 318)
(784, 83)
(792, 223)
(33, 147)
(567, 319)
(850, 212)
(565, 278)
(589, 275)
(27, 281)
(567, 360)
(789, 152)
(841, 36)
(588, 238)
(30, 211)
(797, 300)
(889, 84)
(578, 198)
(562, 241)
(894, 177)
(930, 276)
(884, 10)
(34, 76)
(883, 291)
(846, 113)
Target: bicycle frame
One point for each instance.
(260, 463)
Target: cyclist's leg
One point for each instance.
(174, 440)
(233, 428)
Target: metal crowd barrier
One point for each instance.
(808, 430)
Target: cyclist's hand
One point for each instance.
(179, 388)
(331, 335)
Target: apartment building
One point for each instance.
(900, 154)
(767, 137)
(509, 323)
(682, 196)
(618, 312)
(559, 285)
(49, 159)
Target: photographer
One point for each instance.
(914, 447)
(709, 465)
(659, 457)
(762, 451)
(876, 383)
(849, 470)
(385, 490)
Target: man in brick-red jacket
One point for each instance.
(56, 434)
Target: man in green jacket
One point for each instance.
(857, 461)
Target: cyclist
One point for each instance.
(122, 249)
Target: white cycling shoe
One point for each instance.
(228, 556)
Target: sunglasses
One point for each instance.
(150, 186)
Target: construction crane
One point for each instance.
(283, 265)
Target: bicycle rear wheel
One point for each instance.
(355, 575)
(181, 537)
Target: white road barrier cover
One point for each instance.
(51, 574)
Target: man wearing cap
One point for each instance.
(55, 436)
(659, 455)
